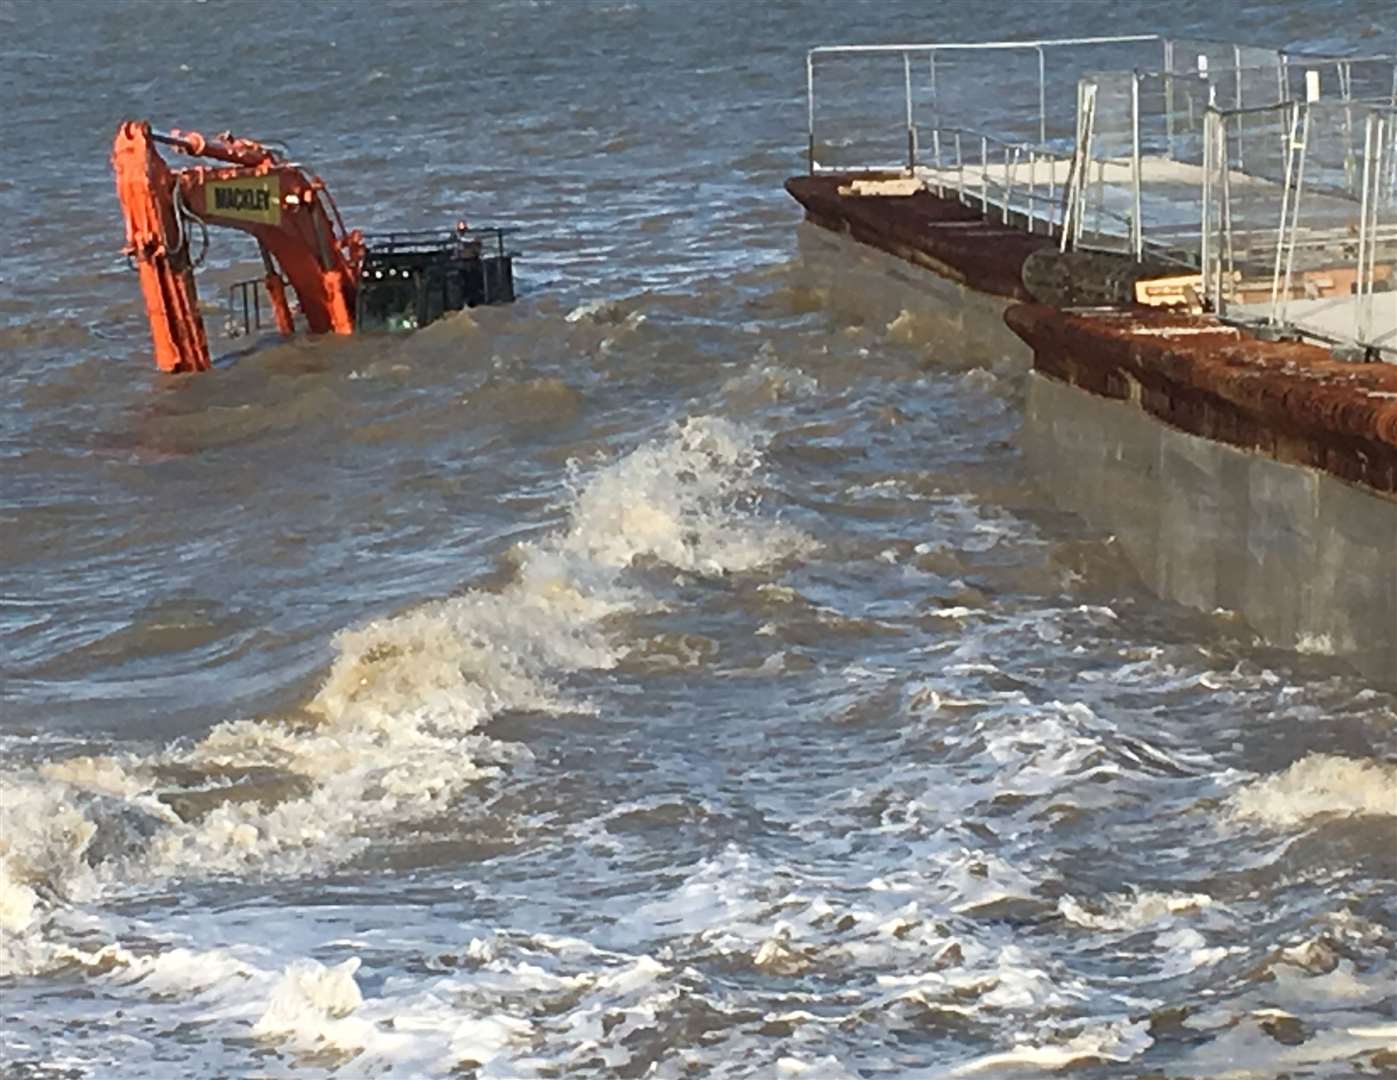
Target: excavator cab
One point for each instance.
(410, 279)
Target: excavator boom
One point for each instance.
(401, 281)
(253, 190)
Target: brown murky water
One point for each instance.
(673, 674)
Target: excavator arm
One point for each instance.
(252, 189)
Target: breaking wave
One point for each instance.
(396, 732)
(1319, 785)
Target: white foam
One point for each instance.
(685, 501)
(980, 380)
(105, 775)
(1314, 645)
(1343, 986)
(47, 828)
(182, 972)
(308, 997)
(1185, 950)
(317, 1009)
(1117, 1041)
(394, 734)
(606, 313)
(826, 1067)
(1134, 911)
(400, 711)
(20, 914)
(1244, 1048)
(1319, 785)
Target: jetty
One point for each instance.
(1189, 247)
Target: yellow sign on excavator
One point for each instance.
(245, 198)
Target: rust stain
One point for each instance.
(942, 235)
(1290, 400)
(1284, 398)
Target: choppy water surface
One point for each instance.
(674, 674)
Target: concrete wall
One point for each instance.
(1309, 561)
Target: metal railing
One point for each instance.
(1074, 52)
(1101, 155)
(425, 240)
(1019, 183)
(1050, 64)
(242, 313)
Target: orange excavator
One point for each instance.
(343, 280)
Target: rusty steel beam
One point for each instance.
(1289, 400)
(940, 234)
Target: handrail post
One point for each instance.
(1285, 206)
(1241, 123)
(1042, 96)
(1008, 188)
(1227, 251)
(1032, 186)
(935, 100)
(960, 170)
(1137, 224)
(1069, 195)
(1295, 210)
(1221, 196)
(1205, 263)
(1084, 176)
(1169, 96)
(984, 176)
(810, 109)
(1380, 140)
(1365, 296)
(911, 127)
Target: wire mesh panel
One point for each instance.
(1241, 75)
(1139, 183)
(1371, 79)
(1308, 241)
(952, 85)
(1376, 286)
(1138, 176)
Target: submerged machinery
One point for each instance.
(342, 279)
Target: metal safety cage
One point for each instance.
(1307, 244)
(1137, 176)
(438, 240)
(411, 278)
